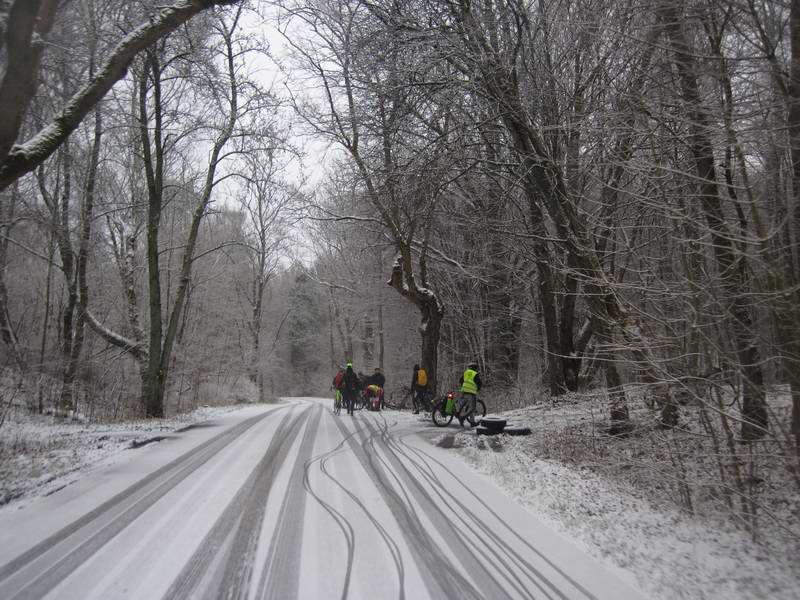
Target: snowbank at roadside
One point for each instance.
(673, 555)
(40, 454)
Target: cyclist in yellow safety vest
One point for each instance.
(470, 386)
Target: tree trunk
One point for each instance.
(82, 285)
(7, 331)
(570, 352)
(547, 299)
(153, 158)
(541, 176)
(68, 267)
(331, 324)
(45, 322)
(732, 268)
(792, 255)
(381, 349)
(430, 330)
(185, 275)
(431, 316)
(19, 85)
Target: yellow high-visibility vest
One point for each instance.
(469, 386)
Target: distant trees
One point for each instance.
(267, 202)
(303, 328)
(368, 109)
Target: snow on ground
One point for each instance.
(672, 554)
(40, 454)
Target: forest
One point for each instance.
(207, 202)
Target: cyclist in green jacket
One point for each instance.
(470, 386)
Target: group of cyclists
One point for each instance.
(349, 385)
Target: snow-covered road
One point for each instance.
(289, 501)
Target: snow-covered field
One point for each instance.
(671, 554)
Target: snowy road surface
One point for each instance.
(284, 502)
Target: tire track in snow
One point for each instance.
(394, 549)
(280, 576)
(341, 521)
(520, 566)
(438, 571)
(222, 566)
(37, 571)
(484, 544)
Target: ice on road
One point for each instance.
(289, 501)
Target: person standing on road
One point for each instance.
(338, 379)
(470, 386)
(336, 386)
(419, 386)
(350, 387)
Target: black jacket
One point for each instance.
(351, 383)
(376, 379)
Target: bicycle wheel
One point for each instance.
(440, 419)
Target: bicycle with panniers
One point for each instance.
(448, 407)
(467, 407)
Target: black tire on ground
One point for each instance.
(481, 430)
(517, 430)
(495, 424)
(437, 414)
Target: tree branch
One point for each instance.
(23, 158)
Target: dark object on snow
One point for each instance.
(517, 430)
(493, 424)
(139, 443)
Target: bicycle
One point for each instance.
(445, 408)
(388, 401)
(359, 401)
(424, 404)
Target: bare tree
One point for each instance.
(266, 200)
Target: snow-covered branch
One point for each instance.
(25, 157)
